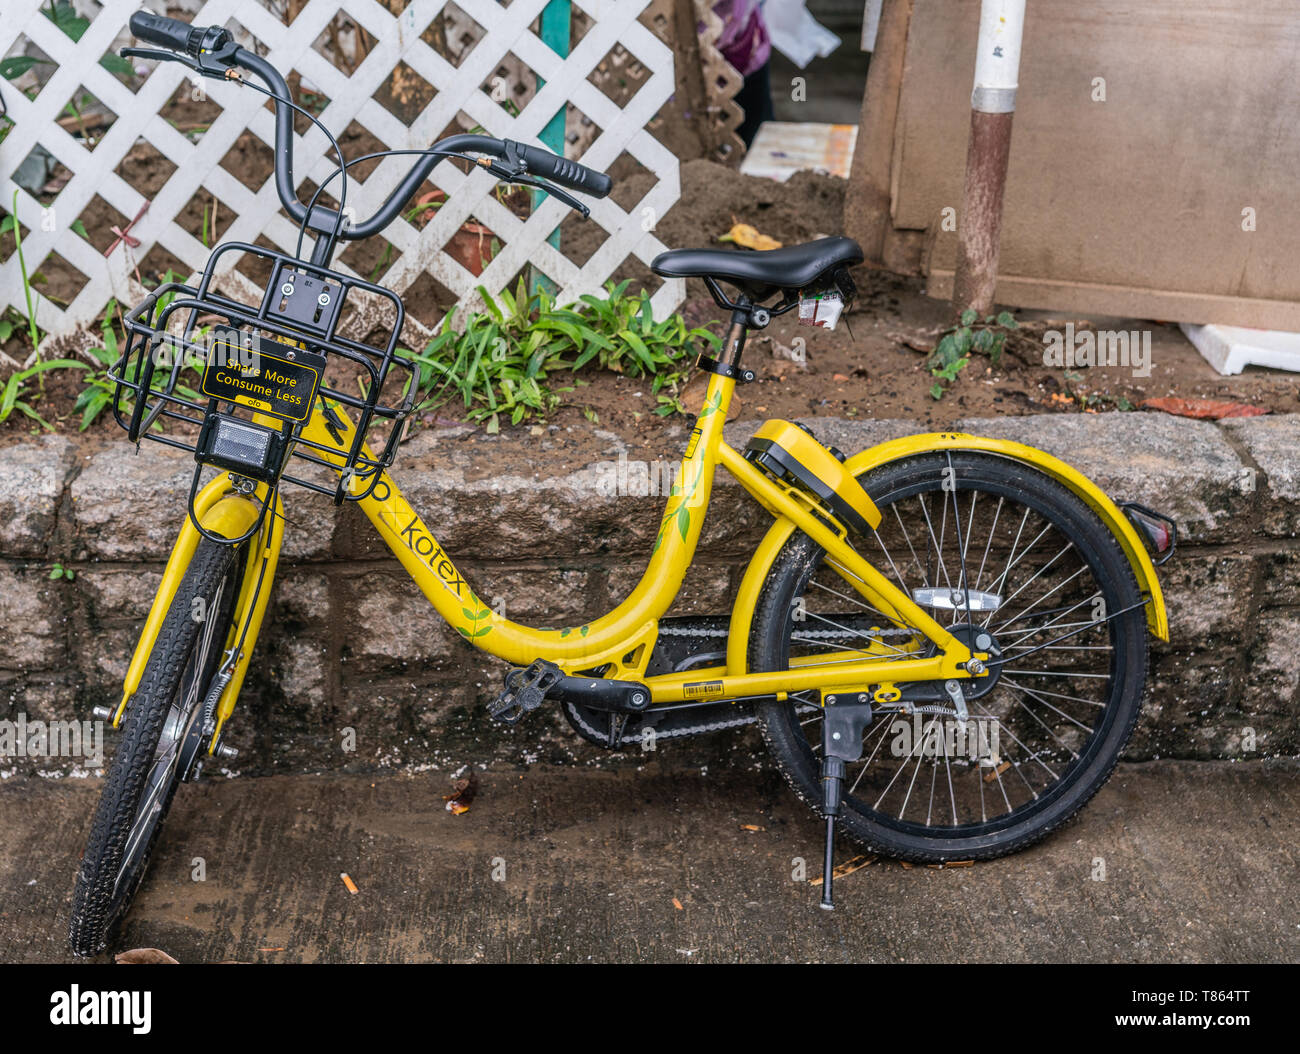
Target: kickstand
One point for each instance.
(842, 729)
(832, 782)
(617, 725)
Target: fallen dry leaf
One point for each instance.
(462, 793)
(144, 955)
(745, 235)
(1202, 409)
(925, 347)
(847, 868)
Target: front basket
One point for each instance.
(166, 389)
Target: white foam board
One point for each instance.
(1230, 349)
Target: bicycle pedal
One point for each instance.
(525, 690)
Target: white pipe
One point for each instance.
(997, 56)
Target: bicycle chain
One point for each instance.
(816, 634)
(577, 715)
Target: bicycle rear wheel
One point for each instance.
(145, 771)
(1017, 558)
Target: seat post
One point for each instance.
(736, 333)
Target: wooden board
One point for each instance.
(1132, 205)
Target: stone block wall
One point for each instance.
(351, 644)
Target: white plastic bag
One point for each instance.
(795, 33)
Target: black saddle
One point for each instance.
(793, 267)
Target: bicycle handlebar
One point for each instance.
(563, 171)
(213, 43)
(165, 32)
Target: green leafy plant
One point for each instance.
(968, 337)
(10, 223)
(499, 363)
(13, 396)
(73, 25)
(209, 221)
(61, 571)
(100, 388)
(98, 393)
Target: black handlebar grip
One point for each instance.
(564, 172)
(165, 32)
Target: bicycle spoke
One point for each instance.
(925, 578)
(963, 580)
(894, 567)
(979, 577)
(938, 542)
(1034, 695)
(1041, 571)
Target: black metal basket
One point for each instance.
(296, 324)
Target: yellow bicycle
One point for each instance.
(943, 638)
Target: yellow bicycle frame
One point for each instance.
(623, 639)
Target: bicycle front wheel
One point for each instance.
(1001, 554)
(146, 767)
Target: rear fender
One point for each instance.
(1093, 496)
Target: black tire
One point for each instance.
(1116, 645)
(180, 668)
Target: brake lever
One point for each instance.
(217, 63)
(511, 175)
(159, 55)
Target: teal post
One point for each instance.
(555, 27)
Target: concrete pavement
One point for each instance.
(1174, 861)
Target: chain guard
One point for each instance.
(683, 643)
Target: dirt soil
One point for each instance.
(872, 366)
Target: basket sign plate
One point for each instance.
(269, 382)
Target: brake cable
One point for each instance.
(338, 152)
(341, 169)
(504, 173)
(235, 75)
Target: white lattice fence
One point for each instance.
(458, 94)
